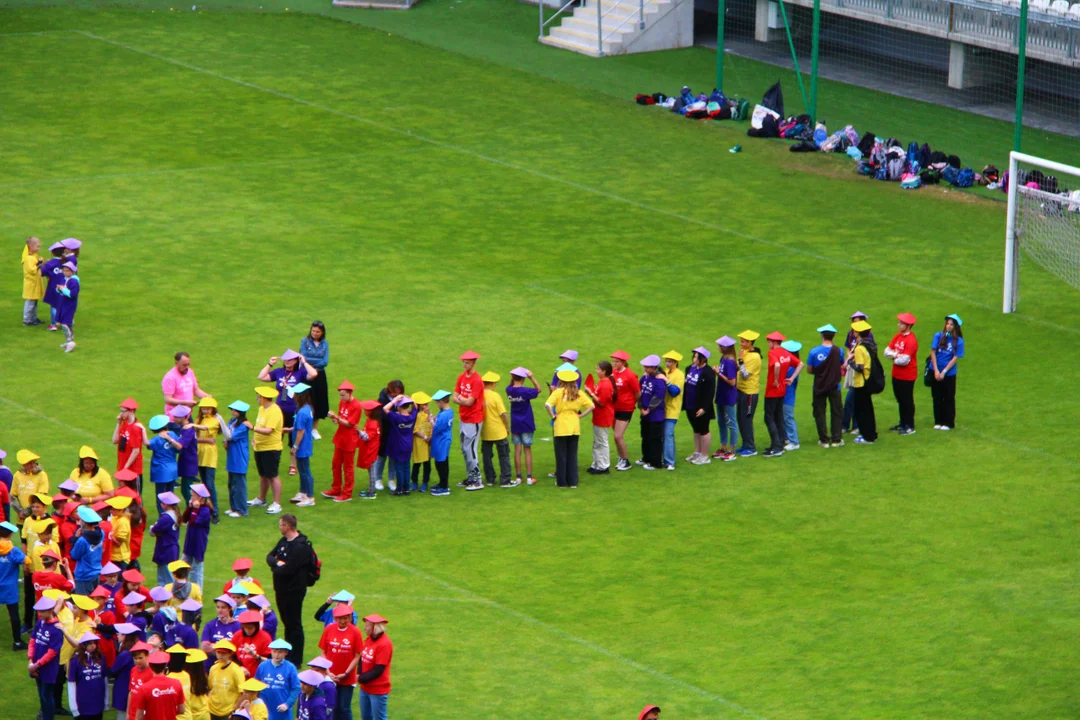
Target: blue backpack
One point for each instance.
(958, 178)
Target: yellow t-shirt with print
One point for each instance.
(208, 452)
(199, 706)
(258, 710)
(185, 682)
(225, 685)
(567, 421)
(421, 449)
(29, 534)
(36, 551)
(269, 417)
(751, 364)
(862, 357)
(494, 407)
(673, 403)
(24, 485)
(91, 486)
(121, 538)
(33, 281)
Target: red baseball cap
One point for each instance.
(470, 355)
(132, 576)
(776, 336)
(129, 404)
(59, 497)
(373, 618)
(370, 404)
(906, 318)
(648, 709)
(242, 564)
(158, 658)
(50, 553)
(69, 508)
(346, 385)
(99, 506)
(101, 591)
(621, 355)
(142, 647)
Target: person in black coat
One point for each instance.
(291, 563)
(698, 395)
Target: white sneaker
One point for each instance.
(392, 484)
(692, 457)
(702, 460)
(256, 502)
(68, 347)
(274, 509)
(378, 485)
(315, 435)
(945, 428)
(639, 462)
(647, 466)
(233, 514)
(937, 427)
(306, 502)
(298, 497)
(792, 446)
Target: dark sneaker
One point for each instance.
(746, 452)
(772, 453)
(423, 488)
(474, 485)
(605, 471)
(440, 492)
(510, 483)
(896, 428)
(18, 646)
(623, 465)
(907, 431)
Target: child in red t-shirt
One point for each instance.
(370, 437)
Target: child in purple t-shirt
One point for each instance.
(522, 421)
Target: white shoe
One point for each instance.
(306, 502)
(256, 502)
(298, 497)
(937, 427)
(639, 462)
(945, 428)
(315, 435)
(791, 446)
(233, 514)
(392, 484)
(693, 457)
(274, 509)
(702, 460)
(378, 485)
(647, 466)
(68, 347)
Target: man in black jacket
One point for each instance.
(290, 561)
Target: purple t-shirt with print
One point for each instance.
(727, 395)
(399, 440)
(522, 419)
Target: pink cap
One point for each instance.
(702, 351)
(70, 266)
(160, 594)
(69, 484)
(320, 662)
(71, 243)
(570, 355)
(520, 372)
(200, 490)
(290, 354)
(181, 411)
(856, 314)
(110, 569)
(621, 355)
(168, 498)
(310, 677)
(469, 355)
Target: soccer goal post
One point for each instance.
(1043, 221)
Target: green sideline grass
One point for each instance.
(357, 177)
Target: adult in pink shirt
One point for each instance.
(180, 386)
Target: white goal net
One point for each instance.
(1043, 221)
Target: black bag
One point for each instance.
(774, 100)
(769, 129)
(954, 161)
(866, 144)
(314, 570)
(875, 384)
(928, 373)
(803, 147)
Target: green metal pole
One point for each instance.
(1021, 62)
(720, 9)
(794, 57)
(814, 60)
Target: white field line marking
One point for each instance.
(48, 419)
(585, 188)
(545, 626)
(680, 266)
(41, 32)
(594, 306)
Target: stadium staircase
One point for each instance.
(626, 26)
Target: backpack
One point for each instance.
(894, 168)
(875, 384)
(314, 570)
(913, 153)
(866, 144)
(924, 155)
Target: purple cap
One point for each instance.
(71, 266)
(259, 600)
(200, 490)
(570, 355)
(110, 569)
(126, 628)
(88, 637)
(69, 484)
(168, 498)
(402, 400)
(858, 314)
(726, 341)
(290, 354)
(191, 605)
(46, 604)
(651, 361)
(71, 243)
(520, 372)
(133, 598)
(181, 411)
(702, 351)
(227, 600)
(160, 594)
(241, 714)
(56, 246)
(3, 454)
(321, 662)
(310, 677)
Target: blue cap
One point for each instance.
(87, 514)
(158, 422)
(440, 394)
(298, 388)
(791, 345)
(344, 596)
(566, 366)
(954, 316)
(827, 328)
(240, 406)
(8, 526)
(280, 644)
(237, 589)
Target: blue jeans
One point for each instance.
(669, 441)
(849, 410)
(46, 693)
(238, 493)
(208, 475)
(85, 587)
(196, 574)
(790, 429)
(162, 488)
(52, 315)
(729, 427)
(307, 482)
(399, 471)
(343, 702)
(377, 468)
(164, 577)
(372, 707)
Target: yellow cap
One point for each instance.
(749, 335)
(178, 565)
(118, 502)
(421, 398)
(860, 326)
(267, 392)
(672, 355)
(43, 499)
(54, 594)
(253, 685)
(177, 649)
(224, 645)
(567, 375)
(42, 525)
(195, 655)
(208, 402)
(83, 602)
(252, 588)
(490, 376)
(87, 452)
(25, 456)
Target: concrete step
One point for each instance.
(584, 39)
(621, 11)
(610, 22)
(563, 43)
(587, 27)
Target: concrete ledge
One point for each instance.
(403, 5)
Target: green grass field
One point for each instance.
(234, 176)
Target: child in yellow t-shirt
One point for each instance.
(207, 429)
(495, 434)
(421, 447)
(29, 479)
(121, 530)
(33, 282)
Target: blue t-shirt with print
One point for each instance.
(163, 460)
(944, 350)
(238, 455)
(304, 420)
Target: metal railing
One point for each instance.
(544, 23)
(618, 4)
(601, 37)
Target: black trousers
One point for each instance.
(835, 430)
(652, 440)
(904, 390)
(291, 610)
(566, 465)
(747, 406)
(774, 421)
(416, 471)
(443, 468)
(944, 393)
(28, 602)
(864, 414)
(13, 616)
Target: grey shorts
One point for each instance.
(525, 439)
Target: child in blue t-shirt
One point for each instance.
(441, 435)
(303, 443)
(237, 456)
(164, 446)
(792, 430)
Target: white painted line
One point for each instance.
(480, 599)
(680, 266)
(54, 421)
(41, 32)
(594, 306)
(413, 598)
(585, 188)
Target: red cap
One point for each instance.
(775, 336)
(343, 610)
(250, 616)
(142, 647)
(470, 355)
(370, 404)
(621, 355)
(99, 506)
(906, 318)
(126, 475)
(68, 509)
(132, 576)
(129, 404)
(159, 658)
(101, 591)
(648, 709)
(60, 497)
(50, 553)
(346, 386)
(373, 618)
(241, 564)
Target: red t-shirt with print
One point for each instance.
(471, 386)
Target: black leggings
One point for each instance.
(28, 602)
(13, 616)
(416, 471)
(944, 394)
(443, 468)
